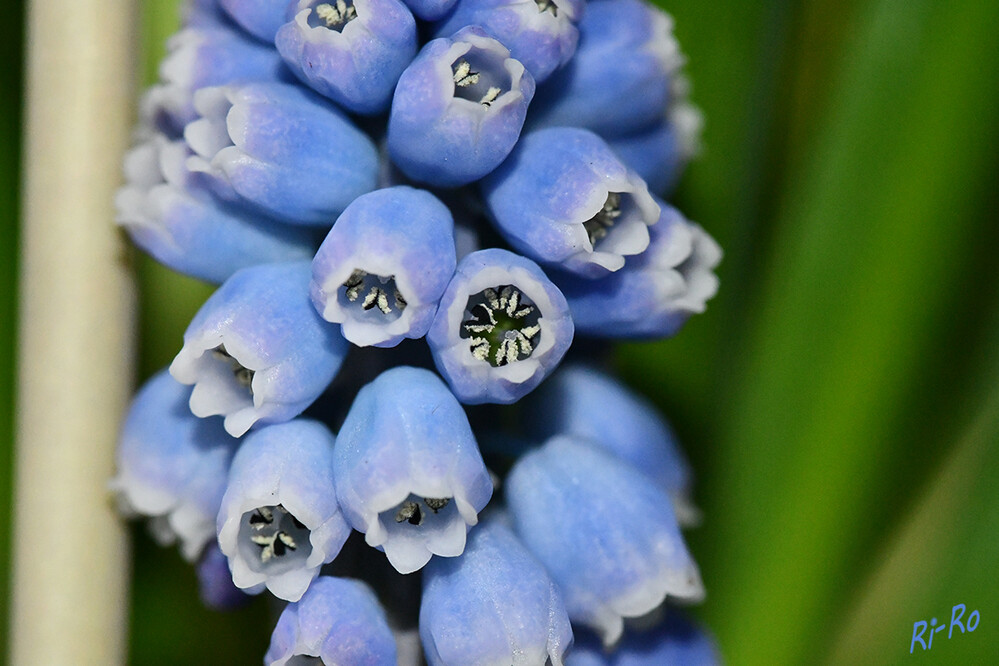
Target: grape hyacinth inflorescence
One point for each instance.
(416, 210)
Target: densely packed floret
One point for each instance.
(413, 209)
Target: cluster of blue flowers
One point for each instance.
(412, 206)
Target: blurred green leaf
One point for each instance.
(734, 54)
(160, 18)
(944, 555)
(855, 296)
(170, 625)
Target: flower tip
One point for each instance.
(239, 423)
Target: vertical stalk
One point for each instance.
(75, 350)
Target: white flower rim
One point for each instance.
(514, 69)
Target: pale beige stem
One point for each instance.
(75, 337)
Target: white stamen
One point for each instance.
(490, 96)
(353, 285)
(514, 343)
(547, 6)
(273, 545)
(261, 518)
(464, 76)
(335, 16)
(376, 295)
(530, 331)
(436, 503)
(409, 511)
(599, 225)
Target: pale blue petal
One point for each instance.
(494, 604)
(582, 401)
(281, 150)
(257, 351)
(458, 109)
(167, 212)
(340, 621)
(171, 465)
(280, 520)
(198, 57)
(564, 198)
(620, 79)
(606, 533)
(354, 58)
(656, 292)
(408, 471)
(384, 265)
(543, 36)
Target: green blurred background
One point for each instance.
(839, 399)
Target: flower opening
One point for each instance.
(502, 325)
(280, 539)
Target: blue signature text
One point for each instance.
(923, 631)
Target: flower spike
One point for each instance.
(280, 156)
